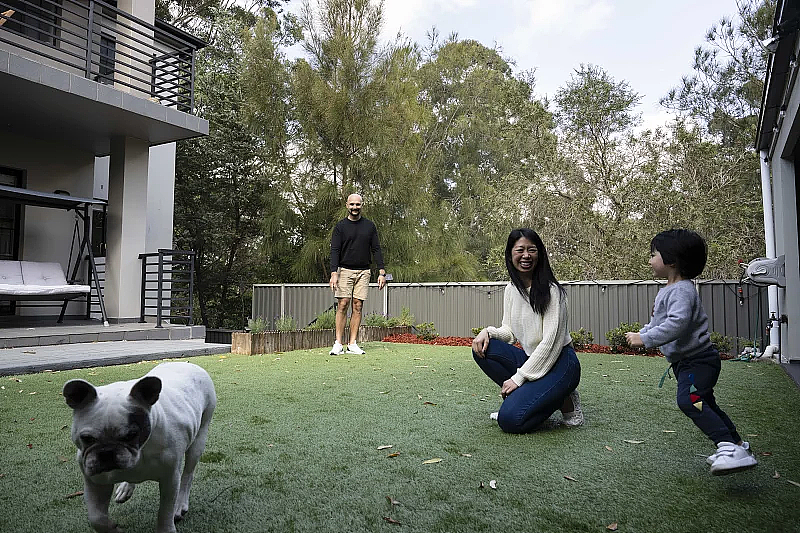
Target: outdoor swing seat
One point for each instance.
(31, 280)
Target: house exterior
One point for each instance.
(777, 143)
(94, 95)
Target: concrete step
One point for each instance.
(32, 359)
(71, 334)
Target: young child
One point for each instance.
(679, 326)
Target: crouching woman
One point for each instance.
(543, 376)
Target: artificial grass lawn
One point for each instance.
(293, 447)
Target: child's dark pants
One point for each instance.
(698, 403)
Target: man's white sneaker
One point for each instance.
(574, 418)
(710, 459)
(731, 458)
(353, 348)
(337, 349)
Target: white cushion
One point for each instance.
(10, 273)
(42, 290)
(46, 274)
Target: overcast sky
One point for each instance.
(648, 43)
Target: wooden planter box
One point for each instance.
(284, 341)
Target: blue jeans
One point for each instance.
(534, 401)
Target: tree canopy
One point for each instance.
(450, 149)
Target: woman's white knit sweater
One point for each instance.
(541, 336)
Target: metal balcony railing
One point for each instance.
(168, 286)
(104, 44)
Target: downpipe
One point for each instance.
(773, 347)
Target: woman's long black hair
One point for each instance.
(543, 275)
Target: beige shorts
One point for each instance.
(352, 284)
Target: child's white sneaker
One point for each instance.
(337, 349)
(353, 348)
(710, 459)
(731, 458)
(574, 418)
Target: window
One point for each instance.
(37, 19)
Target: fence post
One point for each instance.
(160, 289)
(143, 257)
(89, 39)
(283, 300)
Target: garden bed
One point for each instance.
(285, 341)
(410, 338)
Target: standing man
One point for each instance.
(353, 245)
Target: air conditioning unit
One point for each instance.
(765, 271)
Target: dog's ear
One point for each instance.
(146, 390)
(79, 393)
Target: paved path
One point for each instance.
(28, 360)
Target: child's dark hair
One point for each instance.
(543, 276)
(682, 248)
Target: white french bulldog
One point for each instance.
(132, 431)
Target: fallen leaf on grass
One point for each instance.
(62, 459)
(385, 446)
(612, 526)
(633, 441)
(395, 454)
(752, 435)
(609, 448)
(74, 494)
(795, 483)
(493, 484)
(32, 392)
(419, 396)
(428, 403)
(466, 455)
(431, 461)
(669, 431)
(30, 446)
(391, 520)
(64, 427)
(392, 501)
(766, 454)
(776, 476)
(570, 478)
(481, 485)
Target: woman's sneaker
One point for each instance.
(494, 415)
(731, 458)
(710, 459)
(574, 418)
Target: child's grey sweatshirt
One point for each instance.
(679, 324)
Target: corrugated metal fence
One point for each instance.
(457, 307)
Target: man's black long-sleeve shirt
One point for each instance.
(354, 244)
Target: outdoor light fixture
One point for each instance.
(771, 45)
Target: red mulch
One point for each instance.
(410, 338)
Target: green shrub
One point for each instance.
(286, 323)
(426, 331)
(722, 343)
(375, 320)
(581, 338)
(405, 319)
(324, 320)
(616, 337)
(475, 331)
(257, 325)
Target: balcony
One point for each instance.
(97, 72)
